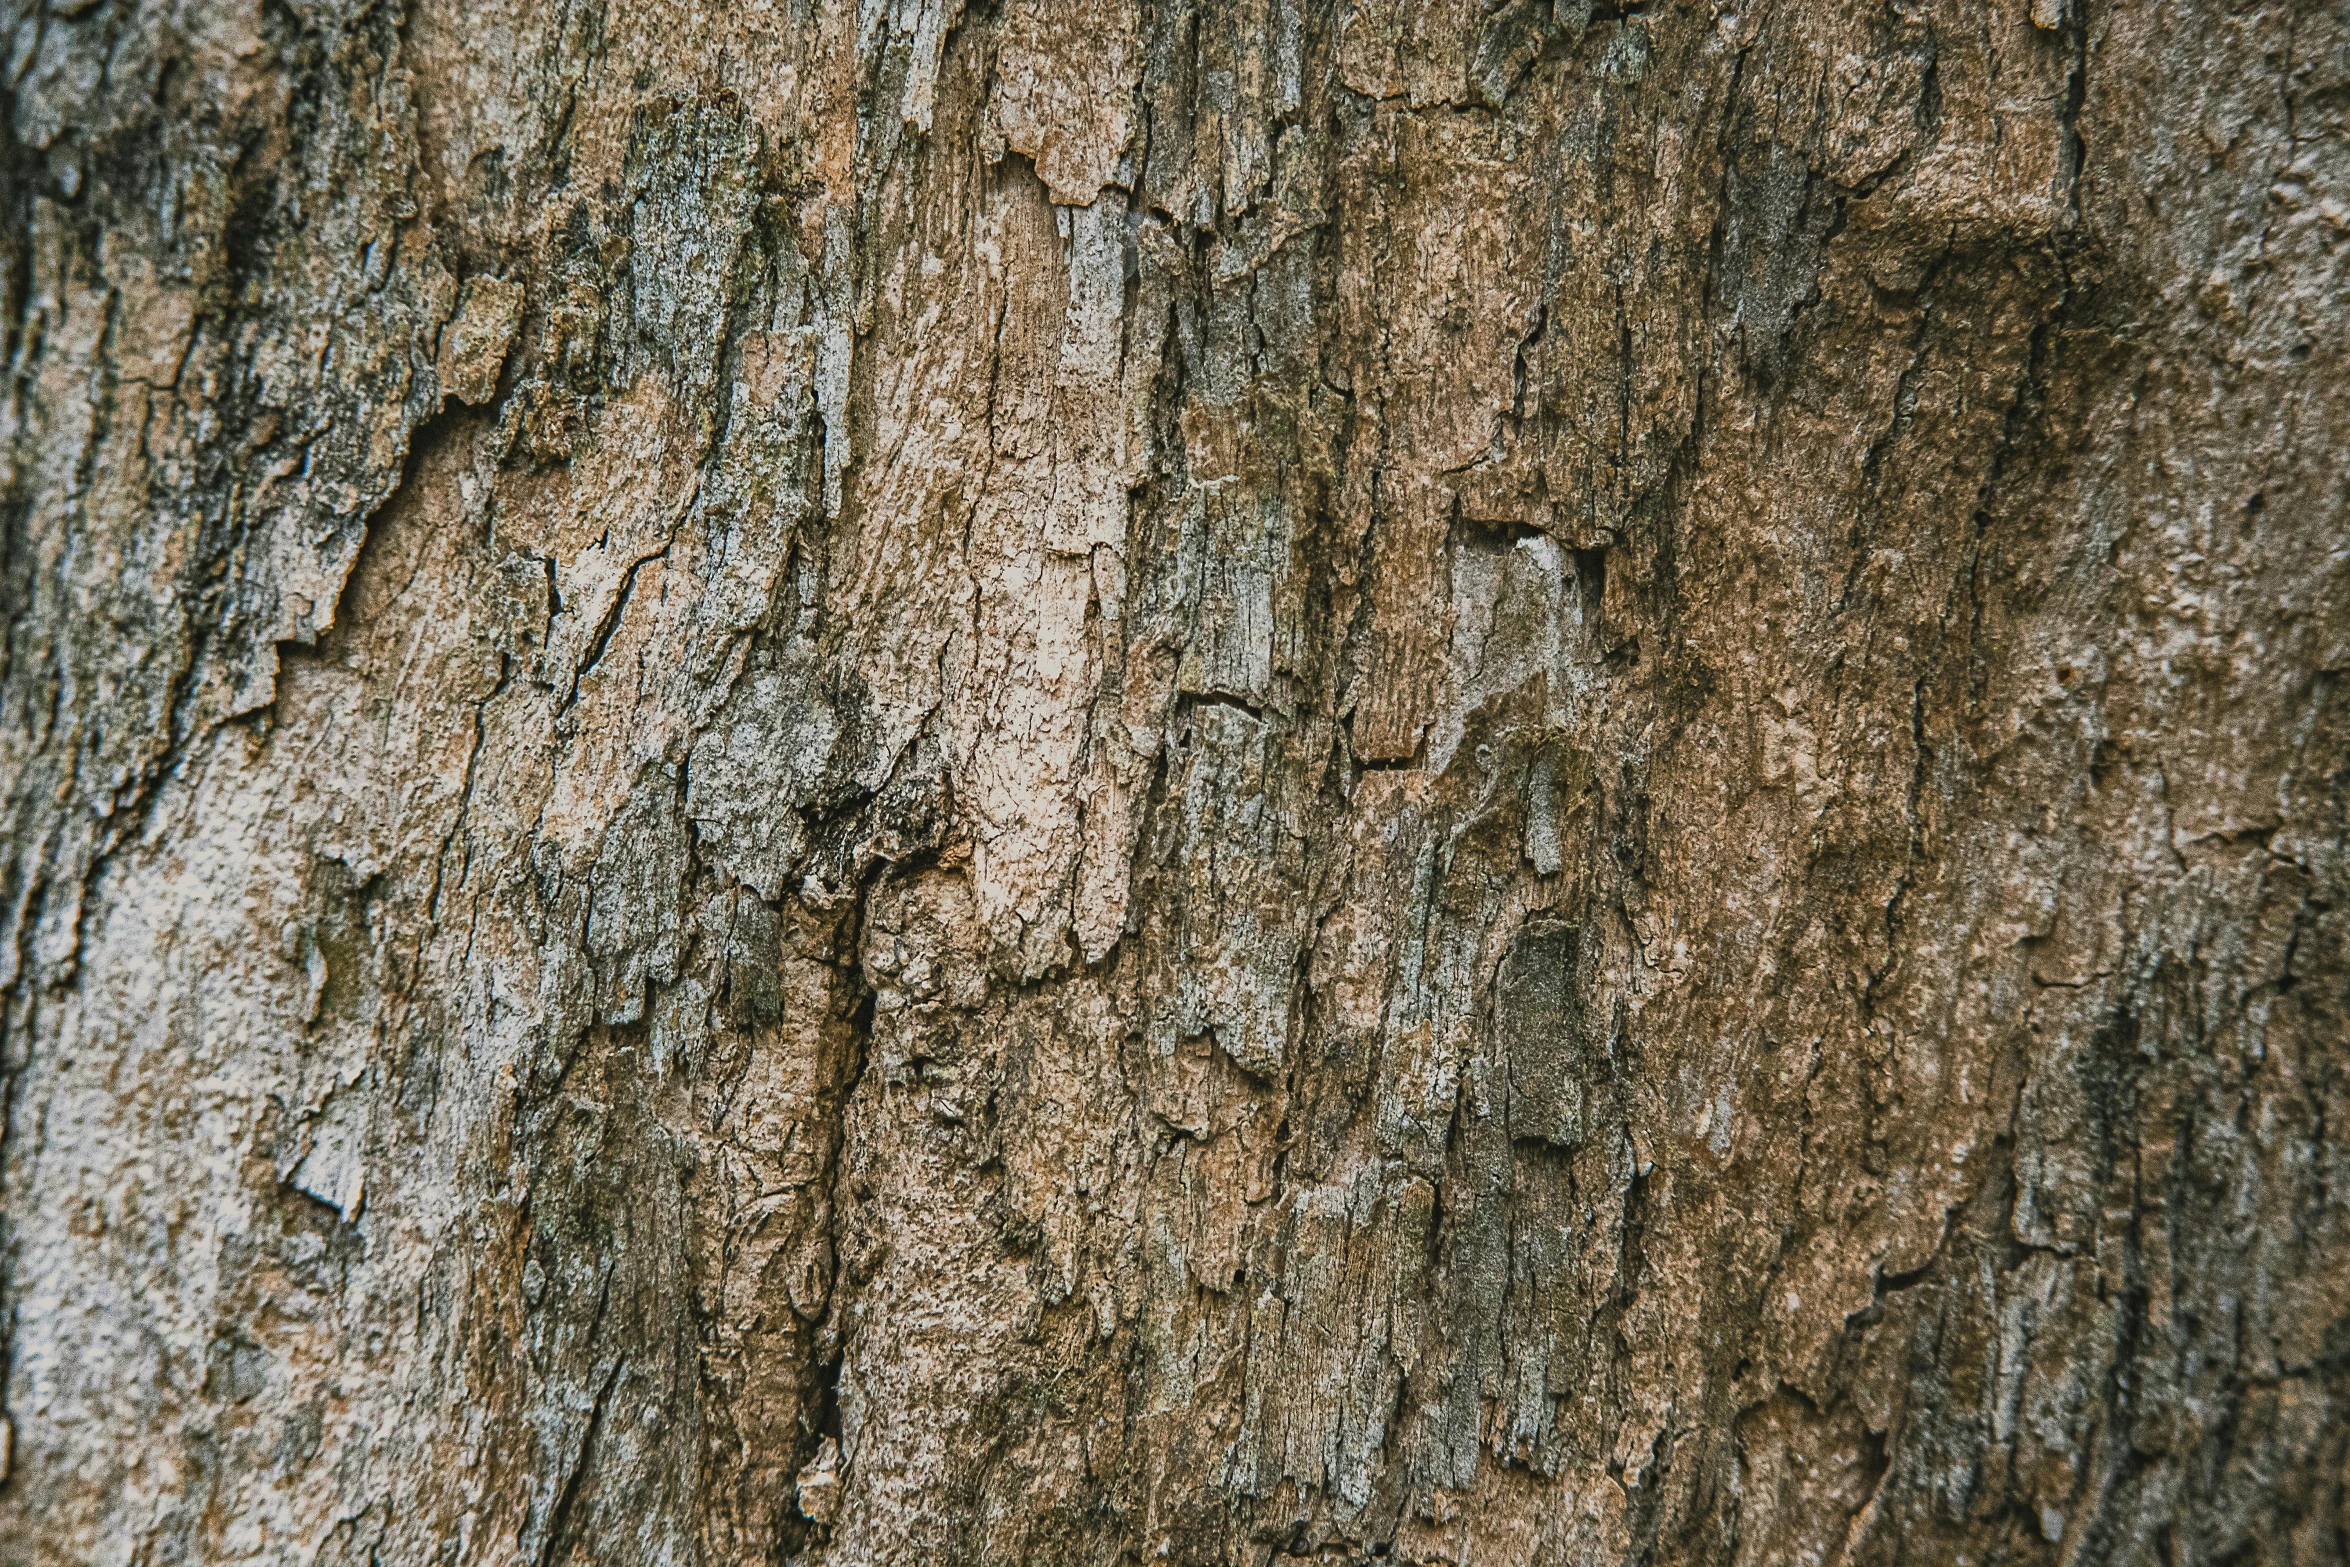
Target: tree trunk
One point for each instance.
(1479, 781)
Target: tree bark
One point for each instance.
(1479, 781)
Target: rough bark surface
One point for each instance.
(985, 781)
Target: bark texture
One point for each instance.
(1247, 781)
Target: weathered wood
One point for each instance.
(1400, 780)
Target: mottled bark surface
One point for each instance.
(1438, 780)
